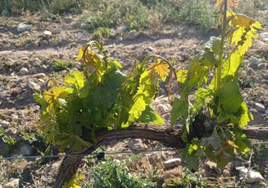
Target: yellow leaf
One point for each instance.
(232, 144)
(239, 20)
(73, 183)
(243, 32)
(81, 53)
(245, 150)
(195, 147)
(52, 96)
(161, 68)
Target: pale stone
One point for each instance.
(24, 71)
(39, 75)
(26, 150)
(44, 66)
(260, 107)
(41, 81)
(264, 36)
(33, 86)
(136, 144)
(254, 177)
(48, 33)
(24, 27)
(56, 31)
(14, 116)
(112, 32)
(254, 62)
(171, 163)
(133, 34)
(83, 25)
(249, 175)
(261, 66)
(25, 58)
(32, 70)
(4, 124)
(123, 28)
(14, 183)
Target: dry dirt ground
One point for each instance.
(23, 56)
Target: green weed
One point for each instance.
(59, 65)
(111, 15)
(189, 180)
(37, 140)
(11, 142)
(110, 173)
(103, 32)
(33, 6)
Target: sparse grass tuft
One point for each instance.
(139, 15)
(110, 173)
(53, 6)
(59, 65)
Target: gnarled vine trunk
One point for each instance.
(168, 137)
(70, 164)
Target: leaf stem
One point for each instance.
(218, 70)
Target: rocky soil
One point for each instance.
(27, 61)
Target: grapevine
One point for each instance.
(217, 103)
(102, 98)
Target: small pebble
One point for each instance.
(33, 86)
(4, 124)
(260, 107)
(172, 163)
(47, 33)
(39, 75)
(24, 71)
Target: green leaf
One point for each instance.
(243, 115)
(141, 99)
(181, 75)
(214, 44)
(214, 140)
(192, 163)
(231, 98)
(202, 97)
(79, 143)
(191, 160)
(104, 96)
(231, 65)
(137, 109)
(150, 116)
(241, 141)
(39, 98)
(197, 75)
(208, 58)
(223, 117)
(223, 159)
(179, 109)
(118, 65)
(75, 78)
(63, 117)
